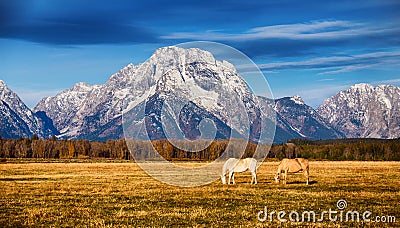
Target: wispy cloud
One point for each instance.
(300, 31)
(301, 39)
(325, 79)
(338, 64)
(348, 69)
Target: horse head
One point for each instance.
(223, 178)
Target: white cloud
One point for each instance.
(325, 79)
(333, 61)
(346, 69)
(300, 31)
(339, 64)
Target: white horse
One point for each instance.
(234, 165)
(292, 166)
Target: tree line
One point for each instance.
(343, 149)
(53, 148)
(339, 149)
(117, 149)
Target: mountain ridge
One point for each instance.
(364, 111)
(191, 74)
(285, 130)
(304, 119)
(17, 120)
(95, 111)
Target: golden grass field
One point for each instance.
(109, 193)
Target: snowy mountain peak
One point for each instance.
(3, 84)
(7, 95)
(129, 66)
(362, 87)
(364, 111)
(214, 89)
(67, 102)
(297, 100)
(385, 87)
(303, 119)
(16, 119)
(213, 86)
(171, 57)
(82, 86)
(181, 53)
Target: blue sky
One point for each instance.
(307, 48)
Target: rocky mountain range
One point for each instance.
(364, 111)
(17, 120)
(202, 88)
(206, 87)
(304, 120)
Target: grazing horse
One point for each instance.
(292, 166)
(234, 165)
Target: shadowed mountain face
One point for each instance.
(17, 120)
(304, 120)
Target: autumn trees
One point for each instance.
(342, 149)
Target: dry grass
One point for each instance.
(105, 194)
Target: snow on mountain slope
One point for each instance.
(304, 120)
(65, 104)
(190, 74)
(213, 89)
(365, 111)
(16, 119)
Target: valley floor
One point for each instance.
(100, 194)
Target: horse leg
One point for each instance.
(233, 177)
(254, 176)
(230, 177)
(307, 176)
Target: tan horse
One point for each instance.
(292, 166)
(234, 165)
